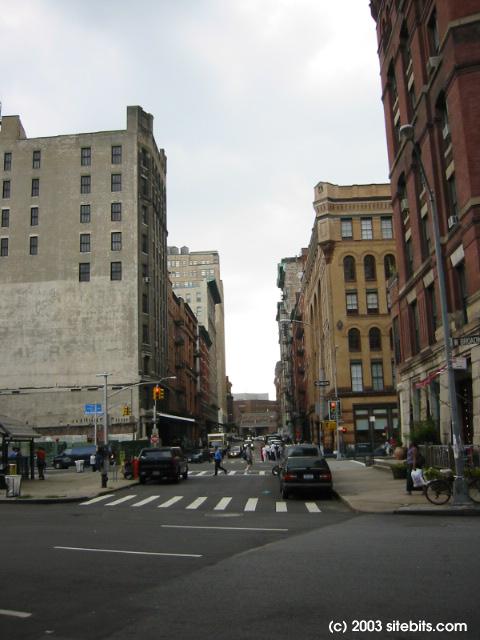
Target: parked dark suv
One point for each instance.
(162, 463)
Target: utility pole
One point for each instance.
(106, 460)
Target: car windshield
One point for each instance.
(156, 454)
(303, 451)
(306, 462)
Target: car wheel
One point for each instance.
(185, 474)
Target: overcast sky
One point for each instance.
(255, 101)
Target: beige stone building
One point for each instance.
(351, 256)
(83, 272)
(195, 277)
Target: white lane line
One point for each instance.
(202, 473)
(262, 473)
(120, 500)
(196, 503)
(94, 500)
(134, 553)
(251, 504)
(312, 507)
(185, 526)
(232, 473)
(169, 503)
(222, 504)
(145, 501)
(281, 507)
(14, 614)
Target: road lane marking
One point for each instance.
(145, 501)
(94, 500)
(169, 503)
(251, 504)
(120, 500)
(281, 507)
(14, 614)
(196, 503)
(202, 473)
(232, 473)
(186, 526)
(312, 507)
(134, 553)
(222, 504)
(262, 473)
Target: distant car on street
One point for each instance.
(305, 474)
(162, 463)
(235, 451)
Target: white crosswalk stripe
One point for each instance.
(169, 503)
(312, 507)
(196, 503)
(120, 500)
(251, 504)
(222, 504)
(145, 501)
(281, 507)
(99, 499)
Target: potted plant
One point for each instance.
(399, 470)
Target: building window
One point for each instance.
(432, 319)
(433, 37)
(145, 305)
(198, 296)
(389, 266)
(375, 339)
(414, 328)
(115, 271)
(84, 213)
(349, 274)
(144, 270)
(356, 376)
(387, 228)
(3, 247)
(116, 181)
(369, 268)
(33, 216)
(377, 376)
(36, 159)
(116, 241)
(84, 272)
(144, 243)
(396, 340)
(409, 257)
(6, 189)
(352, 302)
(367, 229)
(144, 187)
(35, 187)
(85, 184)
(144, 214)
(116, 211)
(5, 217)
(145, 334)
(347, 229)
(452, 195)
(7, 161)
(85, 156)
(33, 245)
(462, 290)
(84, 243)
(425, 236)
(372, 301)
(146, 365)
(354, 340)
(116, 154)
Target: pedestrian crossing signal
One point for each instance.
(333, 409)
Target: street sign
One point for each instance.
(322, 383)
(465, 341)
(90, 409)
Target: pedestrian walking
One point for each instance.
(41, 463)
(264, 453)
(412, 453)
(218, 457)
(248, 458)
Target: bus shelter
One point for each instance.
(14, 433)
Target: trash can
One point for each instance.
(12, 469)
(13, 485)
(79, 464)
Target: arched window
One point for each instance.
(375, 339)
(354, 342)
(349, 269)
(389, 265)
(369, 268)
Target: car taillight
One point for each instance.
(289, 476)
(325, 476)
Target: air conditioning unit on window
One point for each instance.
(404, 205)
(433, 63)
(452, 221)
(146, 280)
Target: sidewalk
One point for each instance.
(66, 486)
(373, 490)
(363, 489)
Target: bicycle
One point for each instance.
(439, 491)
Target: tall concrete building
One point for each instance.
(429, 56)
(195, 277)
(83, 272)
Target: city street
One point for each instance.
(219, 556)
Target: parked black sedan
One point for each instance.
(305, 474)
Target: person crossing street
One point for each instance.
(218, 457)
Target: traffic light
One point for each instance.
(126, 410)
(158, 393)
(333, 409)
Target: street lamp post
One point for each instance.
(460, 493)
(106, 461)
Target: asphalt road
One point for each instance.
(150, 567)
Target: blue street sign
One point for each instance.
(90, 409)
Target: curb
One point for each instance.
(63, 500)
(442, 511)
